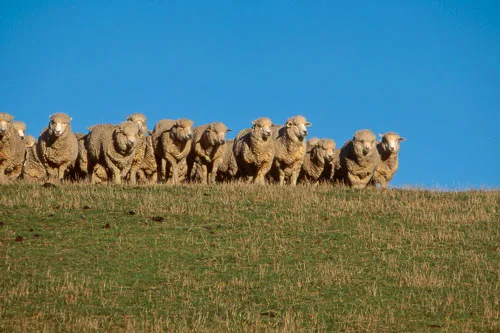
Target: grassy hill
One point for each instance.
(247, 258)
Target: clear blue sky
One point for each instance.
(429, 70)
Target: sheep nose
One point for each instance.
(188, 136)
(131, 141)
(222, 141)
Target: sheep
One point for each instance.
(12, 149)
(57, 146)
(318, 160)
(113, 147)
(207, 151)
(254, 151)
(172, 142)
(388, 149)
(148, 171)
(30, 141)
(228, 168)
(140, 149)
(289, 149)
(358, 159)
(20, 128)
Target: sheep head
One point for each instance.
(296, 127)
(140, 120)
(20, 128)
(30, 141)
(126, 134)
(390, 142)
(182, 130)
(5, 119)
(262, 128)
(364, 142)
(326, 149)
(59, 123)
(216, 133)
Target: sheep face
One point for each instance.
(217, 133)
(327, 149)
(30, 141)
(140, 120)
(262, 128)
(126, 135)
(297, 127)
(5, 119)
(59, 123)
(390, 142)
(364, 142)
(182, 130)
(20, 128)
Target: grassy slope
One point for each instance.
(243, 258)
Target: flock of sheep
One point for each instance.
(176, 152)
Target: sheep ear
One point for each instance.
(228, 130)
(402, 139)
(288, 124)
(381, 135)
(308, 124)
(210, 128)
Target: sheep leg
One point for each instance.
(294, 177)
(133, 174)
(203, 173)
(261, 173)
(116, 175)
(173, 169)
(213, 171)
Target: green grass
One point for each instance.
(247, 258)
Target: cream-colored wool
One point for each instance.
(20, 128)
(113, 147)
(254, 151)
(228, 168)
(289, 149)
(12, 150)
(56, 151)
(207, 151)
(140, 150)
(30, 141)
(148, 171)
(318, 160)
(358, 159)
(388, 149)
(172, 141)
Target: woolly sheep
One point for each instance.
(57, 146)
(207, 150)
(318, 160)
(113, 147)
(254, 151)
(228, 168)
(12, 149)
(79, 170)
(30, 141)
(358, 159)
(148, 172)
(172, 142)
(289, 149)
(388, 149)
(140, 150)
(20, 128)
